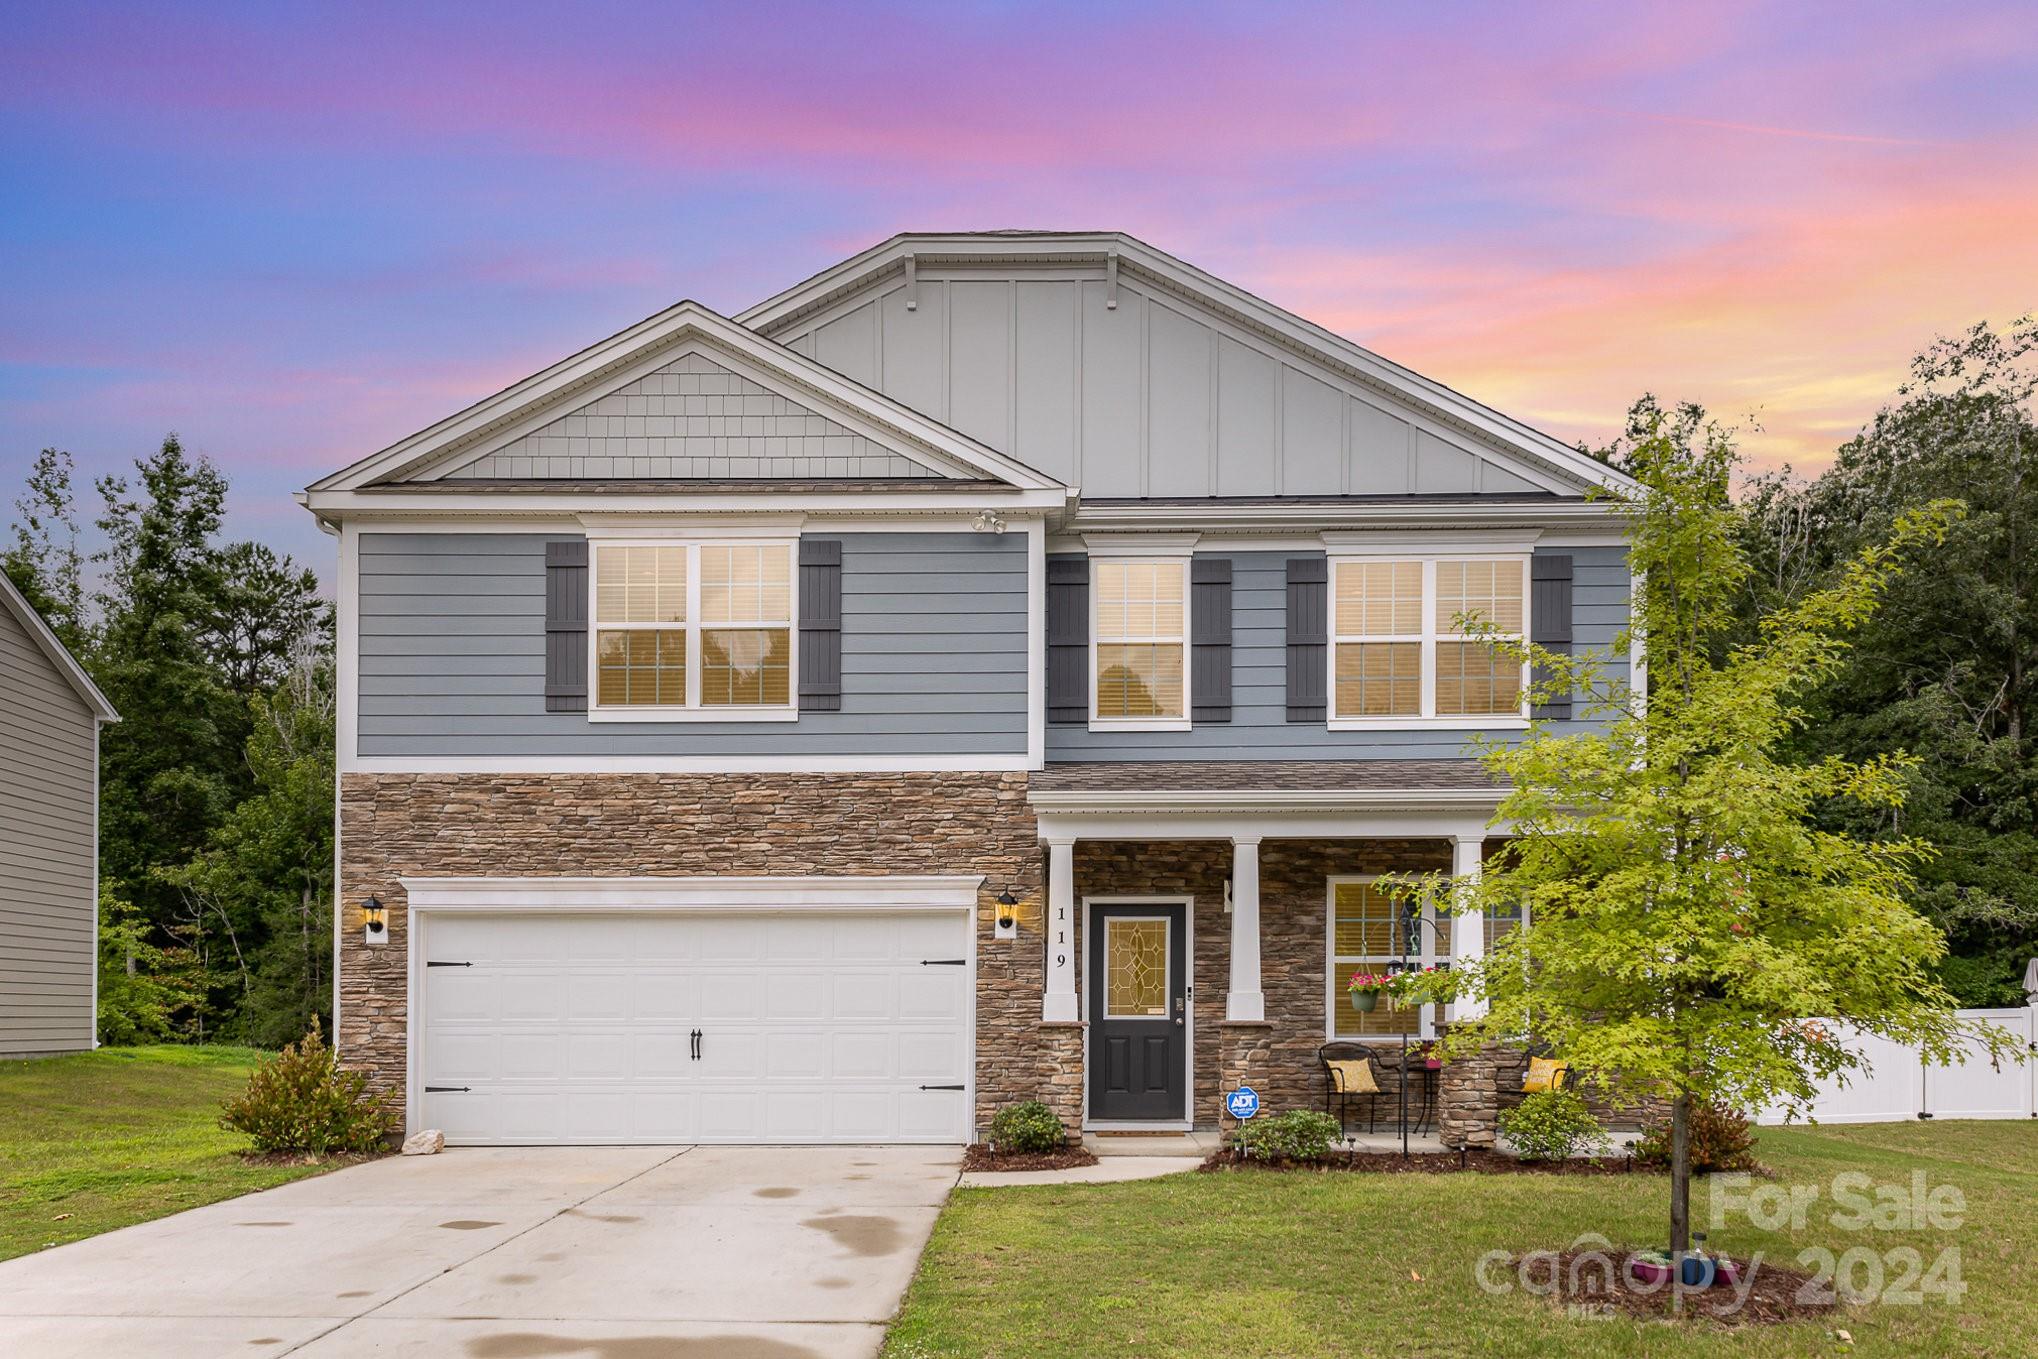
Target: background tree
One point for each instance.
(1947, 668)
(1686, 910)
(43, 561)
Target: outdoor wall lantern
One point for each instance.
(1008, 916)
(375, 916)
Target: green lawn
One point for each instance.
(1317, 1265)
(108, 1138)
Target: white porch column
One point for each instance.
(1058, 1001)
(1468, 930)
(1245, 999)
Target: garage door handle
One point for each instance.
(449, 964)
(941, 1087)
(445, 1089)
(942, 962)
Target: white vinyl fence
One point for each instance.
(1897, 1085)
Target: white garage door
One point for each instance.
(582, 1028)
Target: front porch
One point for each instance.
(1266, 871)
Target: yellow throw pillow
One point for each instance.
(1352, 1076)
(1545, 1073)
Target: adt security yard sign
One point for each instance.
(1243, 1102)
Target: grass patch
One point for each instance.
(1301, 1266)
(106, 1139)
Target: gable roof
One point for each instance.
(60, 657)
(1120, 254)
(655, 343)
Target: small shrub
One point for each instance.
(1293, 1135)
(1553, 1125)
(1029, 1127)
(302, 1101)
(1721, 1140)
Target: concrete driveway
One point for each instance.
(597, 1252)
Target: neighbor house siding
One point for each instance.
(49, 750)
(1259, 728)
(452, 646)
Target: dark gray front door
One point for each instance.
(1138, 1000)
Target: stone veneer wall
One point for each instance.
(594, 825)
(1293, 949)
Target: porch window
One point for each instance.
(689, 629)
(1398, 654)
(1139, 636)
(1366, 928)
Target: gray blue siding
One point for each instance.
(1259, 729)
(452, 646)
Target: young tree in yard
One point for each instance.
(1688, 918)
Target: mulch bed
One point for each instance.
(979, 1156)
(1474, 1162)
(1598, 1283)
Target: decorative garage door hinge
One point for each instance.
(941, 1087)
(943, 962)
(434, 964)
(445, 1089)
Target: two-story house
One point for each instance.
(998, 666)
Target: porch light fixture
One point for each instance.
(1008, 916)
(989, 522)
(375, 919)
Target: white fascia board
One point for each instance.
(657, 338)
(904, 893)
(1165, 801)
(1310, 517)
(1137, 257)
(684, 764)
(1222, 823)
(507, 506)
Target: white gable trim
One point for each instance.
(1534, 454)
(651, 343)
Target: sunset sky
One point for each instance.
(294, 234)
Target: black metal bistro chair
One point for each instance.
(1350, 1071)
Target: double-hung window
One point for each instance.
(1369, 933)
(693, 630)
(1139, 642)
(1399, 654)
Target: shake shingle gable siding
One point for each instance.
(1259, 729)
(452, 640)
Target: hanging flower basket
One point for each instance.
(1366, 989)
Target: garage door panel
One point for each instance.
(579, 1027)
(732, 996)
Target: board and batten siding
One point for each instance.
(1154, 396)
(452, 655)
(1259, 728)
(49, 751)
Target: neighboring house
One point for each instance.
(707, 697)
(50, 712)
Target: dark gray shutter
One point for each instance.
(820, 625)
(1550, 618)
(566, 626)
(1068, 639)
(1308, 638)
(1210, 638)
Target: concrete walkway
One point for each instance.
(599, 1253)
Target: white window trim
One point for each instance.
(1426, 955)
(1429, 718)
(1100, 723)
(694, 710)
